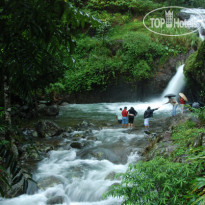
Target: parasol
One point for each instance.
(183, 96)
(169, 95)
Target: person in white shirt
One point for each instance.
(119, 116)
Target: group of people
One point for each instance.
(126, 117)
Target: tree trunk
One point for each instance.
(7, 107)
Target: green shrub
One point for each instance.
(184, 135)
(194, 68)
(138, 7)
(199, 113)
(138, 54)
(158, 181)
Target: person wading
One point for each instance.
(182, 100)
(174, 104)
(124, 117)
(131, 114)
(119, 116)
(147, 114)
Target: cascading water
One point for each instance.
(197, 16)
(177, 83)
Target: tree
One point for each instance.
(36, 35)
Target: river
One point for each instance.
(82, 176)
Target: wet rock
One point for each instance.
(203, 31)
(84, 125)
(65, 135)
(78, 135)
(183, 15)
(167, 136)
(53, 110)
(181, 159)
(47, 128)
(162, 148)
(115, 154)
(198, 141)
(93, 138)
(44, 102)
(48, 182)
(111, 176)
(64, 104)
(14, 150)
(55, 200)
(16, 190)
(76, 145)
(69, 129)
(88, 131)
(45, 110)
(45, 148)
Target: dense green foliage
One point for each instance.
(36, 42)
(122, 49)
(104, 64)
(36, 45)
(129, 53)
(185, 136)
(135, 6)
(188, 136)
(11, 173)
(195, 69)
(158, 181)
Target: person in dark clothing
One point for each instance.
(131, 113)
(147, 114)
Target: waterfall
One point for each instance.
(198, 16)
(176, 84)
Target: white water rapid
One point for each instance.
(198, 17)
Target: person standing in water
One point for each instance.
(124, 117)
(131, 114)
(119, 116)
(147, 114)
(182, 103)
(182, 100)
(174, 104)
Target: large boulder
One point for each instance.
(48, 182)
(46, 128)
(76, 145)
(183, 15)
(55, 200)
(203, 31)
(45, 110)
